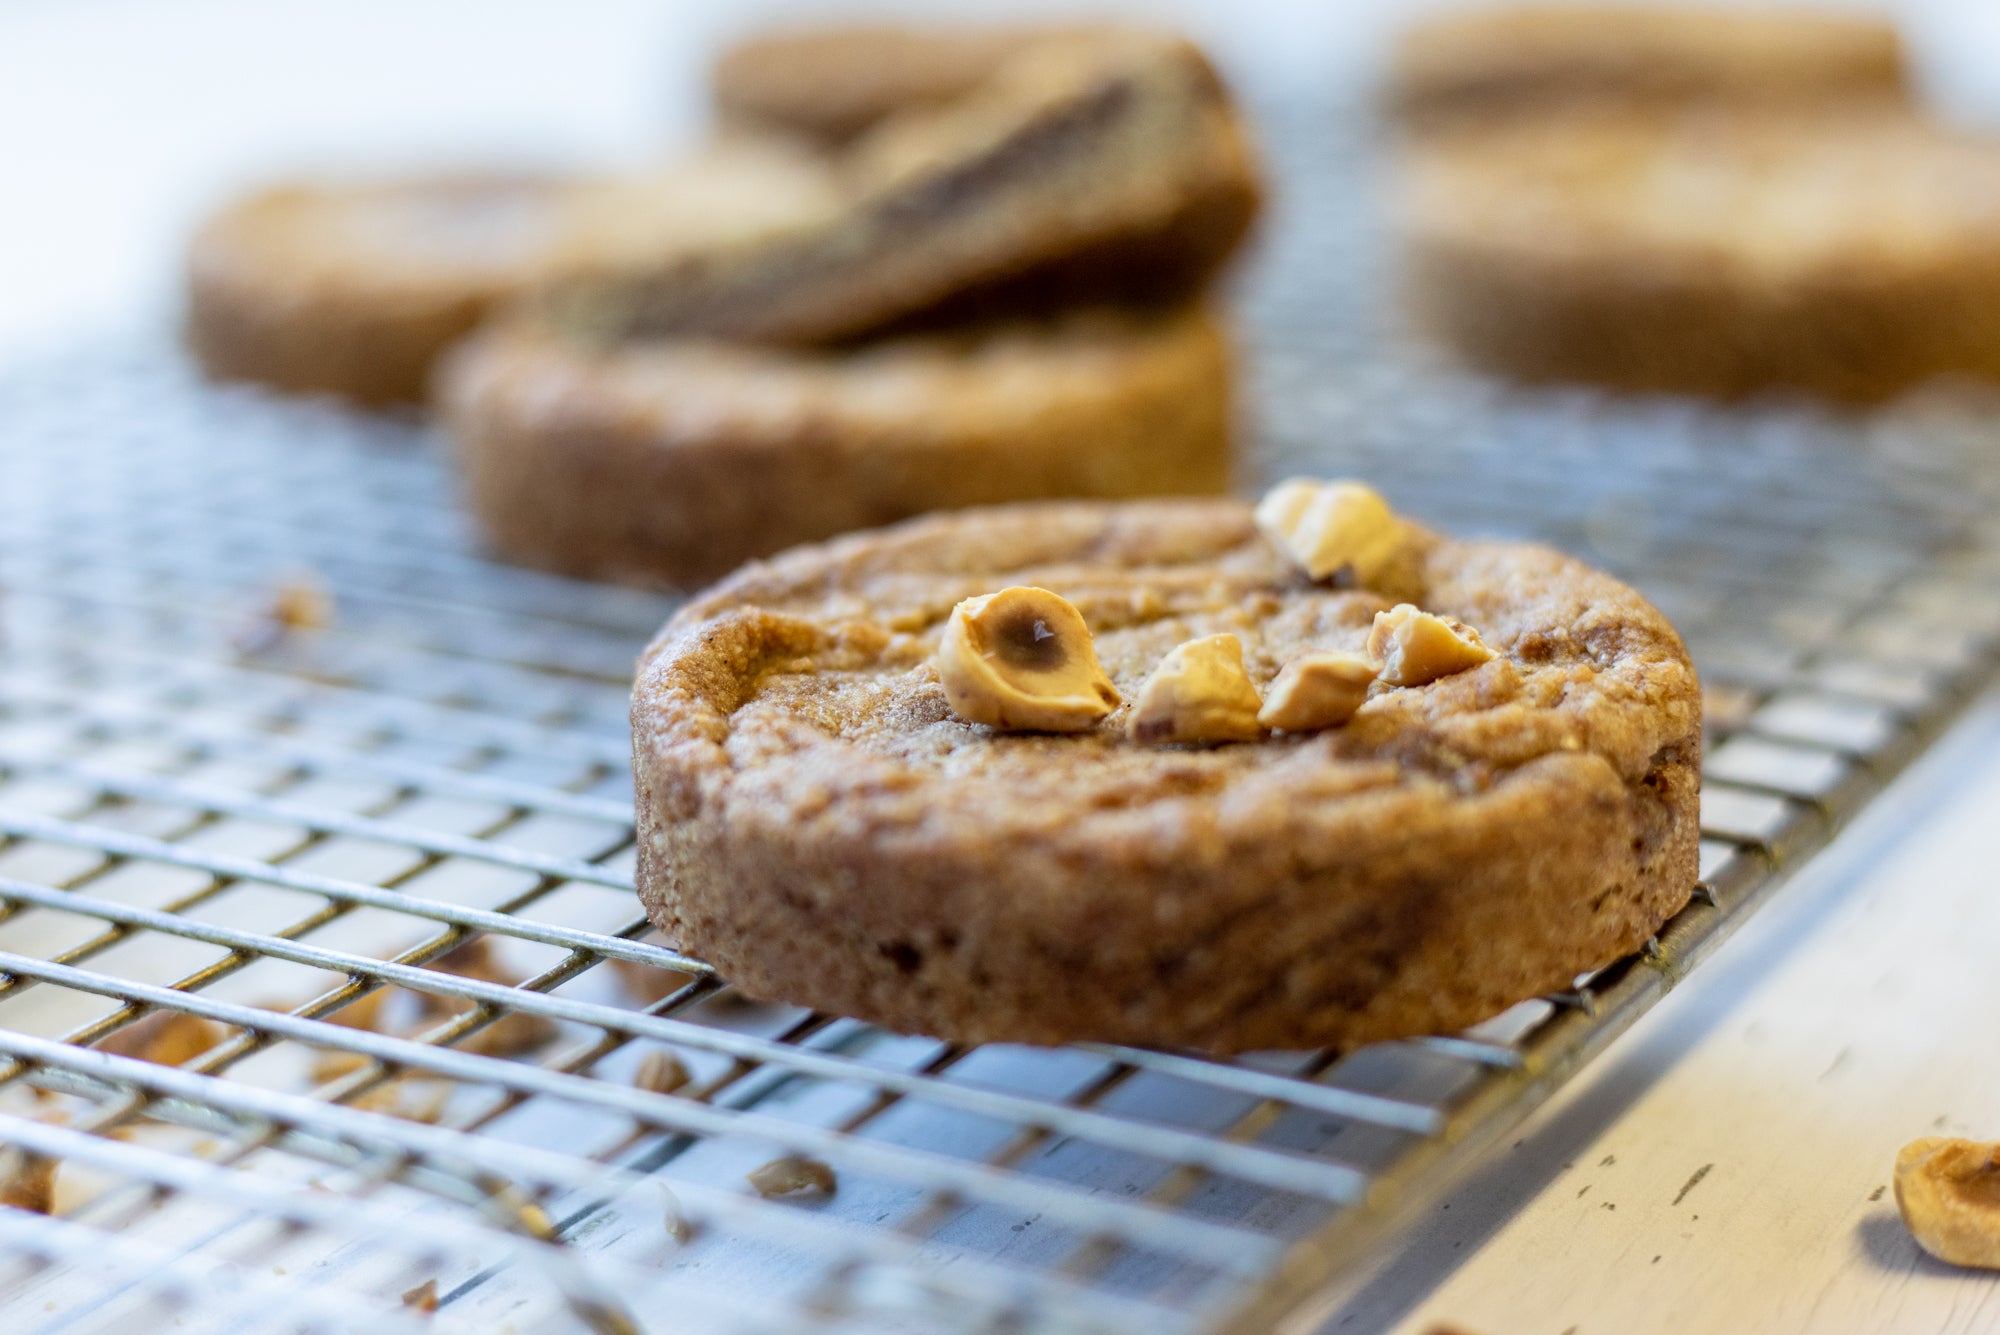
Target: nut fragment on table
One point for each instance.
(27, 1180)
(165, 1038)
(1948, 1191)
(1415, 647)
(424, 1297)
(1317, 690)
(791, 1174)
(1199, 693)
(1324, 528)
(1022, 660)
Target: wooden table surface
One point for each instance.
(1725, 1167)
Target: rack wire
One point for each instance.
(209, 810)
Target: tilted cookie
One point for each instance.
(356, 288)
(674, 461)
(1478, 64)
(1115, 168)
(830, 83)
(816, 820)
(1850, 254)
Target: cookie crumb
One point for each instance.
(165, 1038)
(791, 1174)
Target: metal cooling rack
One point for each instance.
(208, 813)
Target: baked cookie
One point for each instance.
(355, 289)
(677, 460)
(829, 83)
(1486, 62)
(815, 819)
(1114, 169)
(1713, 252)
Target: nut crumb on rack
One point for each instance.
(1316, 691)
(165, 1038)
(1948, 1191)
(1416, 647)
(510, 1034)
(27, 1181)
(1022, 660)
(1200, 692)
(334, 1064)
(297, 602)
(791, 1174)
(1325, 528)
(424, 1297)
(660, 1072)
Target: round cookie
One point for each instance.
(1503, 61)
(814, 820)
(1712, 252)
(830, 83)
(677, 460)
(354, 289)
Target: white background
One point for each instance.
(1858, 1012)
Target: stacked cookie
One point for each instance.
(1696, 202)
(948, 269)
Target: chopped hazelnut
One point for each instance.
(1198, 693)
(1022, 660)
(660, 1073)
(424, 1297)
(28, 1181)
(333, 1064)
(165, 1038)
(1415, 647)
(298, 602)
(1325, 527)
(1317, 690)
(792, 1173)
(1949, 1193)
(412, 1100)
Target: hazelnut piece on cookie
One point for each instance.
(1198, 693)
(1949, 1193)
(1317, 690)
(1415, 647)
(1022, 660)
(1325, 527)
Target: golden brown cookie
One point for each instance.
(1110, 169)
(829, 83)
(814, 819)
(676, 461)
(355, 289)
(1501, 61)
(1716, 252)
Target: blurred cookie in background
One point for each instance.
(1116, 169)
(1475, 64)
(829, 83)
(674, 460)
(1852, 253)
(355, 288)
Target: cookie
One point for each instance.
(1112, 170)
(676, 460)
(1483, 63)
(830, 83)
(1714, 252)
(816, 821)
(354, 289)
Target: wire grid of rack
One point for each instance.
(204, 811)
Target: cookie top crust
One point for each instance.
(422, 234)
(802, 688)
(1550, 55)
(1768, 193)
